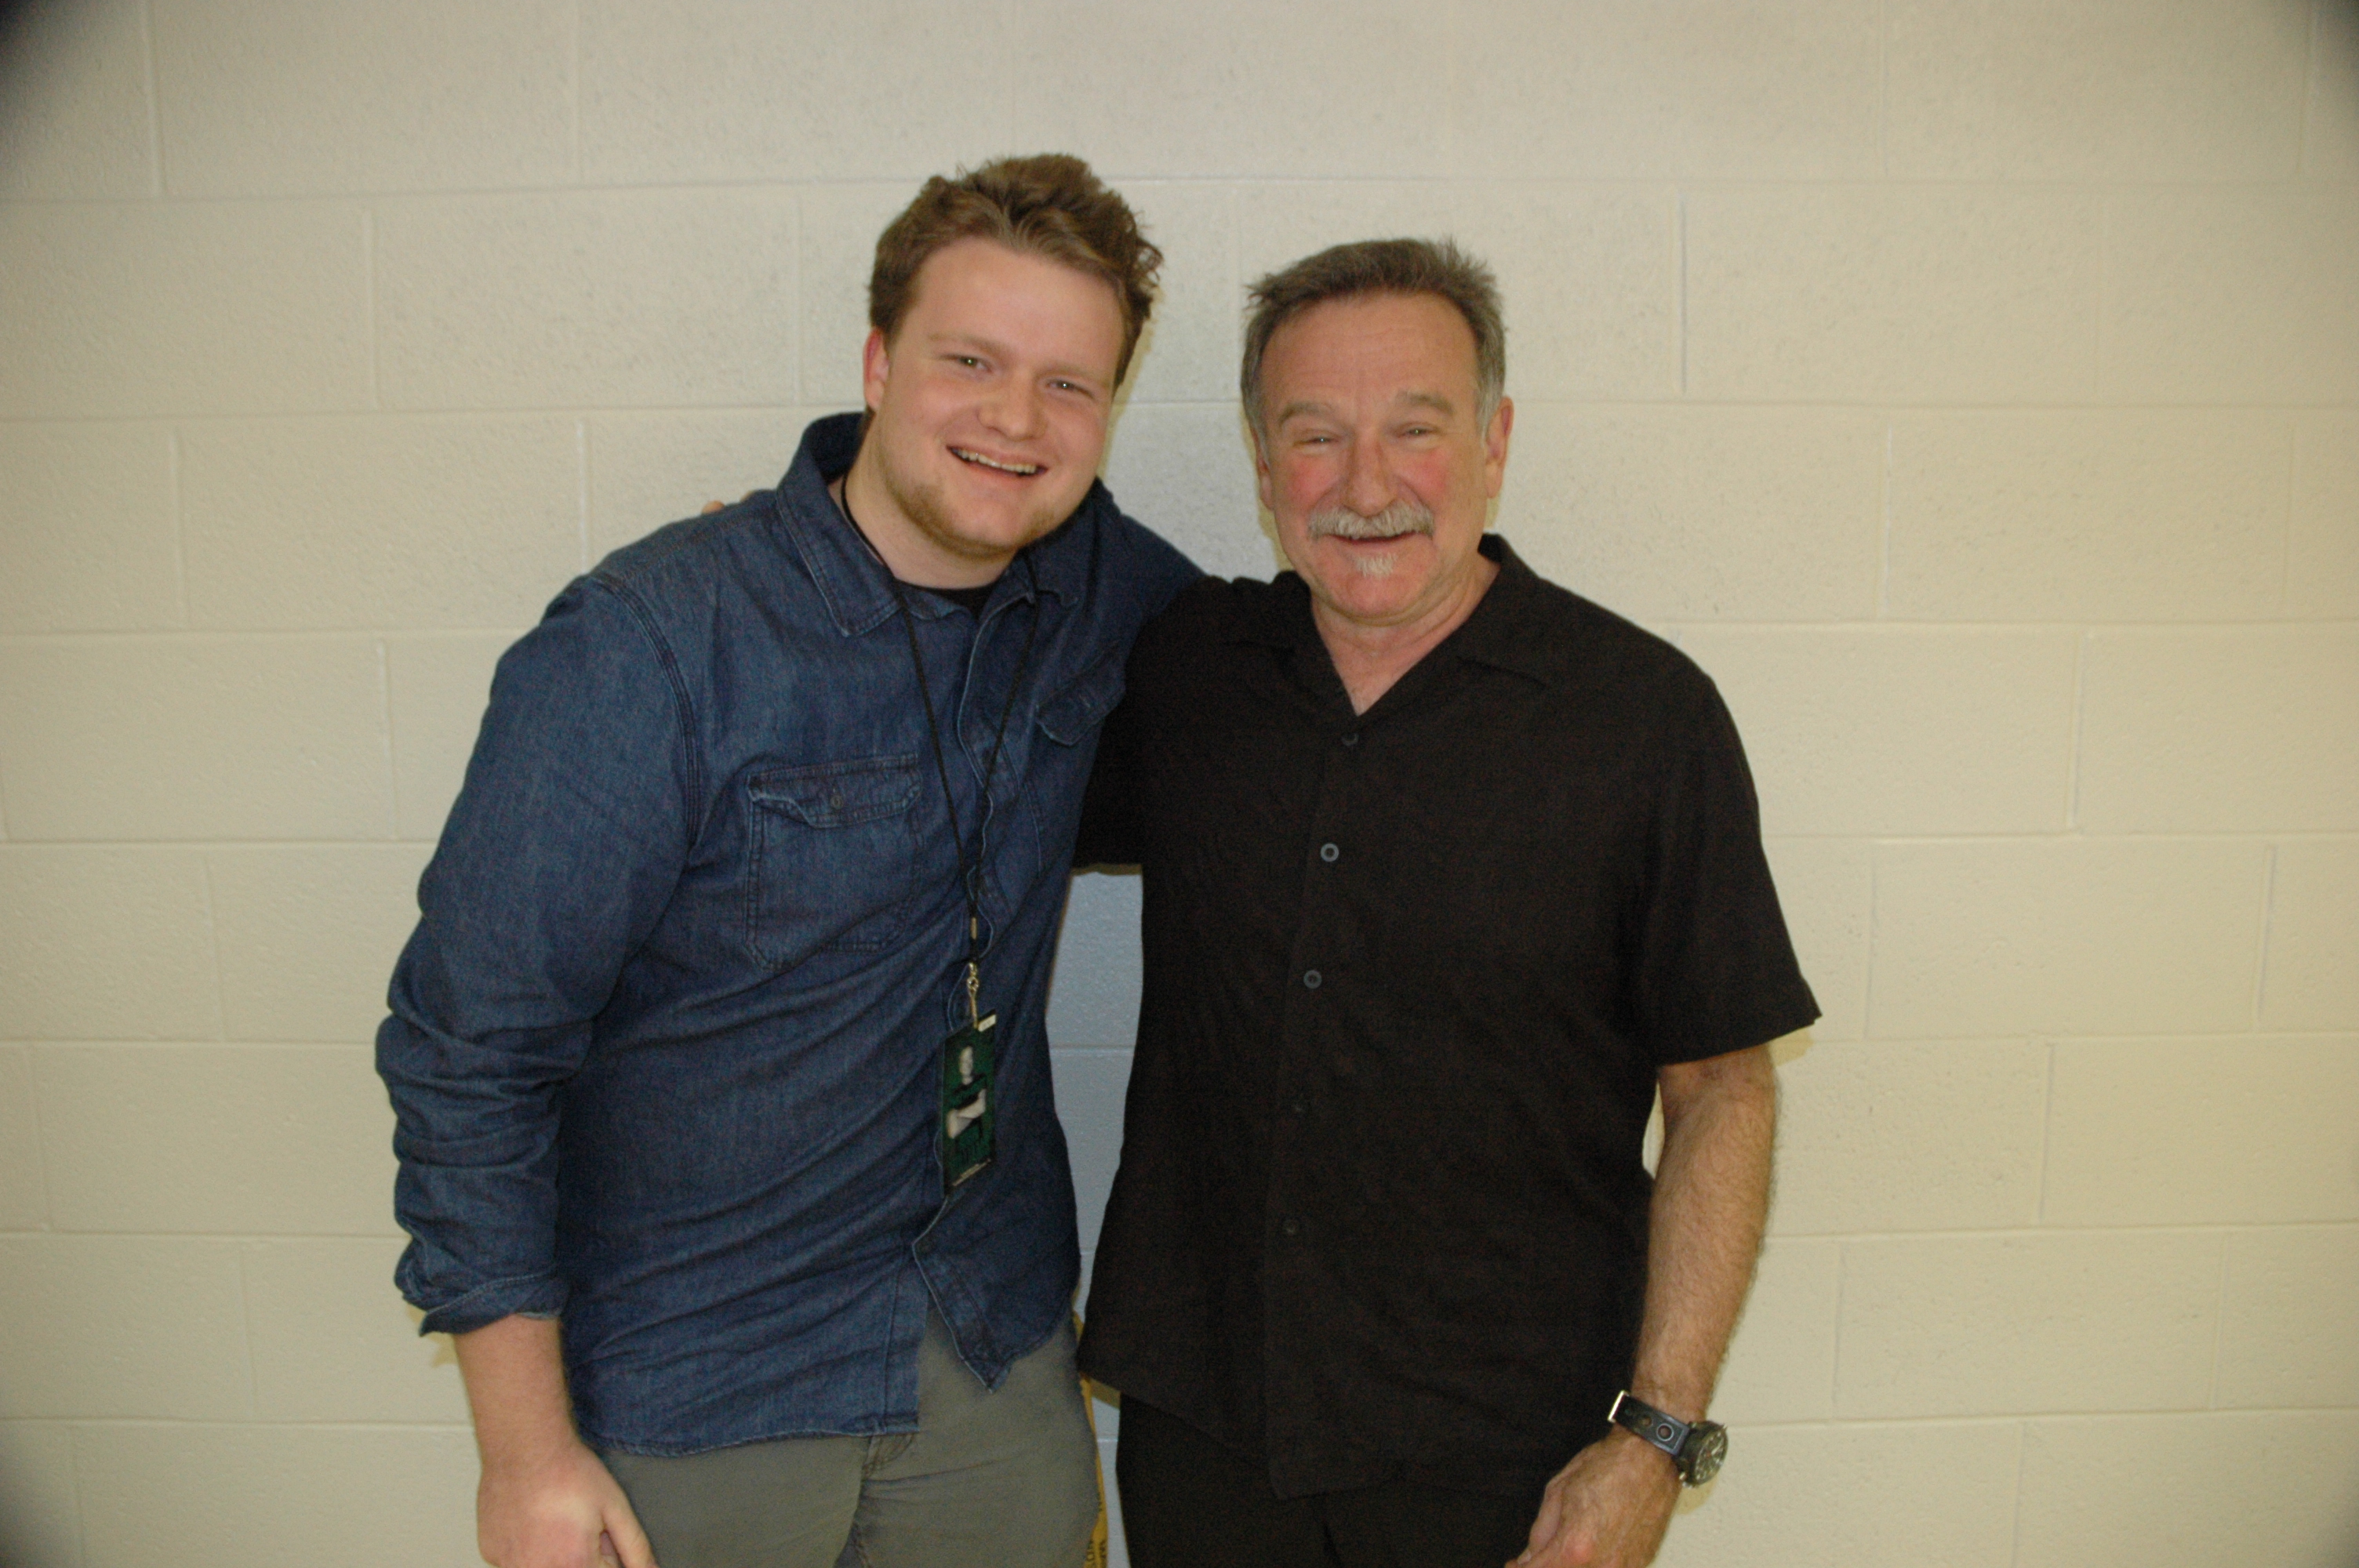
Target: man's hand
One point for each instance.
(560, 1511)
(1608, 1508)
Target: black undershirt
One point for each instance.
(971, 599)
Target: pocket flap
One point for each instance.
(1070, 716)
(839, 794)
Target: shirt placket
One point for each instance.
(1320, 981)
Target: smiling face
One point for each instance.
(1376, 462)
(989, 412)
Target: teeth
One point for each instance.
(1026, 469)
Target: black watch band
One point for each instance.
(1696, 1450)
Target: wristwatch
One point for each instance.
(1696, 1450)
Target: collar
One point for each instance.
(853, 582)
(1506, 630)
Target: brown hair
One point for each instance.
(1381, 266)
(1048, 204)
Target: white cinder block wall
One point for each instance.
(1972, 386)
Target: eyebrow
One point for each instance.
(1433, 400)
(994, 348)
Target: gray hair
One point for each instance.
(1381, 266)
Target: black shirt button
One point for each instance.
(1290, 1227)
(1311, 979)
(1328, 852)
(1352, 739)
(1299, 1107)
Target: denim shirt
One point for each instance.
(664, 1047)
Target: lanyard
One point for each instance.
(970, 875)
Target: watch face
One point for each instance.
(1706, 1449)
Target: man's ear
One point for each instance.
(875, 365)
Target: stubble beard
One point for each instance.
(928, 509)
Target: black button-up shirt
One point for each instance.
(1410, 974)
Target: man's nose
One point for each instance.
(1016, 411)
(1368, 486)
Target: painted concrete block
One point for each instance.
(1898, 293)
(87, 525)
(2103, 516)
(2250, 1128)
(1089, 1089)
(195, 738)
(2188, 92)
(715, 90)
(2285, 1331)
(1588, 274)
(2195, 1488)
(1890, 729)
(2008, 1324)
(2331, 132)
(2221, 730)
(1907, 1496)
(23, 1204)
(1186, 472)
(165, 1497)
(439, 685)
(1701, 514)
(78, 126)
(1716, 90)
(1825, 888)
(2322, 556)
(661, 297)
(330, 524)
(334, 1341)
(1911, 1136)
(1323, 89)
(647, 470)
(839, 226)
(308, 936)
(1781, 1363)
(42, 1524)
(2231, 295)
(1095, 999)
(1190, 351)
(106, 945)
(2080, 936)
(107, 1328)
(125, 310)
(213, 1138)
(275, 97)
(2310, 978)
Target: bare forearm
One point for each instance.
(1711, 1198)
(515, 1384)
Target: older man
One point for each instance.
(727, 1146)
(1448, 872)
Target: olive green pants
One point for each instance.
(1003, 1478)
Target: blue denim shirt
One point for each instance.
(663, 1048)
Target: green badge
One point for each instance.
(966, 1101)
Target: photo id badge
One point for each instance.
(966, 1101)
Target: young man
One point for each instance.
(1448, 870)
(727, 1146)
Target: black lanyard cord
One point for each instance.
(970, 875)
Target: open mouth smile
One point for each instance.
(1021, 471)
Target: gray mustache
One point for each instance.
(1403, 516)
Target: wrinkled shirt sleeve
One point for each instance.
(559, 858)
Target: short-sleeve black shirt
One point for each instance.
(1381, 1212)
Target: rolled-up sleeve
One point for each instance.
(559, 858)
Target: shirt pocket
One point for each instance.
(834, 857)
(1074, 714)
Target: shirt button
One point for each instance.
(1311, 979)
(1328, 852)
(1290, 1227)
(1299, 1107)
(1352, 739)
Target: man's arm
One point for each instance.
(1610, 1506)
(544, 1500)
